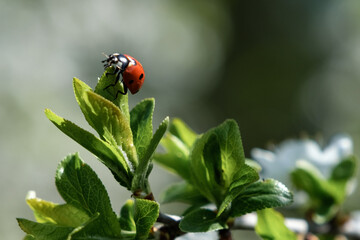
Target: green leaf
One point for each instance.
(126, 220)
(146, 213)
(344, 170)
(308, 178)
(79, 185)
(177, 143)
(179, 129)
(48, 212)
(215, 159)
(271, 226)
(326, 196)
(183, 192)
(142, 172)
(112, 125)
(201, 220)
(107, 119)
(253, 164)
(109, 93)
(86, 230)
(259, 195)
(29, 237)
(107, 153)
(54, 232)
(44, 231)
(141, 125)
(244, 177)
(176, 159)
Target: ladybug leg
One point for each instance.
(113, 85)
(123, 93)
(116, 72)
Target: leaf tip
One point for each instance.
(30, 195)
(47, 111)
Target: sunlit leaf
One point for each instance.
(44, 231)
(104, 88)
(143, 170)
(271, 226)
(260, 195)
(106, 118)
(141, 125)
(107, 153)
(179, 129)
(61, 214)
(146, 213)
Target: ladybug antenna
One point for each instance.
(107, 57)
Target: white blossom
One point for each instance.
(282, 160)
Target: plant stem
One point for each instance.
(171, 229)
(225, 234)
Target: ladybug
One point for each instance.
(132, 72)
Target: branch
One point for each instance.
(170, 227)
(349, 229)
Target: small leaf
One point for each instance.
(344, 170)
(202, 220)
(307, 177)
(54, 232)
(177, 143)
(108, 154)
(244, 177)
(325, 195)
(107, 119)
(179, 129)
(253, 164)
(141, 125)
(104, 89)
(156, 138)
(29, 237)
(260, 195)
(44, 231)
(79, 185)
(48, 212)
(146, 213)
(112, 124)
(86, 230)
(142, 171)
(183, 192)
(176, 159)
(215, 159)
(126, 220)
(271, 226)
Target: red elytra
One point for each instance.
(133, 75)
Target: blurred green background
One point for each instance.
(279, 68)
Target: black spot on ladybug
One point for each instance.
(131, 81)
(141, 76)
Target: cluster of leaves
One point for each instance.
(326, 195)
(125, 145)
(87, 213)
(214, 170)
(126, 141)
(212, 165)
